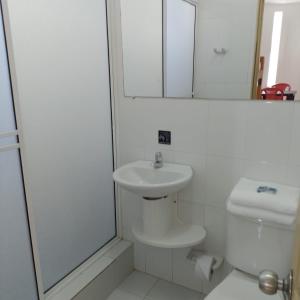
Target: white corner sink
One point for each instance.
(144, 180)
(160, 225)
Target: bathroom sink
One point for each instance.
(158, 225)
(144, 180)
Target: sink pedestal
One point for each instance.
(162, 228)
(157, 216)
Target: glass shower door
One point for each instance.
(17, 278)
(64, 103)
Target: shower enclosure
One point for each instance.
(58, 60)
(17, 277)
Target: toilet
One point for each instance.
(254, 244)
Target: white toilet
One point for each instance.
(252, 246)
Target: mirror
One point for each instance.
(211, 49)
(158, 40)
(278, 62)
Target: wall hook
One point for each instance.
(221, 51)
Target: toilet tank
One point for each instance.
(260, 226)
(254, 246)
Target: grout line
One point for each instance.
(134, 294)
(152, 287)
(130, 293)
(291, 138)
(155, 283)
(172, 250)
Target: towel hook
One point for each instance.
(221, 51)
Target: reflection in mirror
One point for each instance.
(189, 48)
(211, 49)
(225, 52)
(179, 43)
(142, 47)
(278, 71)
(158, 40)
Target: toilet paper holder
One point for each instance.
(194, 254)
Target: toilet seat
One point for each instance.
(239, 286)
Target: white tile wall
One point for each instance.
(221, 174)
(268, 132)
(131, 208)
(140, 250)
(215, 219)
(295, 147)
(226, 128)
(159, 262)
(183, 270)
(222, 141)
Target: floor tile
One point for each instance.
(164, 290)
(138, 283)
(122, 295)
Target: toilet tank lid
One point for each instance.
(266, 200)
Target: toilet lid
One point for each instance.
(238, 286)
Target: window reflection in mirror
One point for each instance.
(278, 71)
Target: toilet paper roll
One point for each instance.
(203, 267)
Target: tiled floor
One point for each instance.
(140, 286)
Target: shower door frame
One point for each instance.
(31, 220)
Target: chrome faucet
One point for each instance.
(158, 162)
